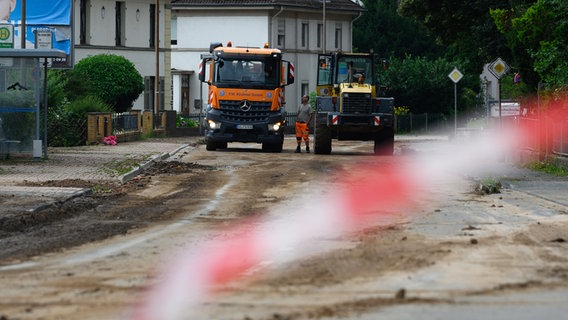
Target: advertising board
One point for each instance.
(41, 15)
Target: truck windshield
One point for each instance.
(239, 72)
(351, 69)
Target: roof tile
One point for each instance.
(351, 5)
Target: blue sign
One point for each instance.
(53, 15)
(41, 12)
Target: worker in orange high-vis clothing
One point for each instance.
(303, 119)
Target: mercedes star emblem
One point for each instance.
(245, 105)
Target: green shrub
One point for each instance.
(56, 86)
(112, 78)
(549, 166)
(401, 111)
(182, 122)
(67, 123)
(81, 107)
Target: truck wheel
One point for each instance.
(322, 143)
(210, 146)
(221, 145)
(384, 143)
(278, 147)
(272, 147)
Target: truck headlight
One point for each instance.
(274, 126)
(214, 125)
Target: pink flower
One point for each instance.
(110, 140)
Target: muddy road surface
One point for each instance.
(452, 253)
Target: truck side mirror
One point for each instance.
(203, 70)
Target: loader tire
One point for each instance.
(384, 142)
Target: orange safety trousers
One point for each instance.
(302, 131)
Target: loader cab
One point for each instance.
(337, 68)
(343, 68)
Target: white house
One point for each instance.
(127, 28)
(300, 28)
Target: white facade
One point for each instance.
(195, 31)
(297, 32)
(95, 24)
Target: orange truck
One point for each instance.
(246, 96)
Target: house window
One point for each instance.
(281, 40)
(83, 23)
(173, 33)
(338, 36)
(320, 35)
(305, 34)
(152, 24)
(150, 94)
(119, 24)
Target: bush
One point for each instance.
(112, 78)
(56, 84)
(67, 123)
(81, 107)
(182, 122)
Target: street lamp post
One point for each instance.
(23, 26)
(324, 26)
(157, 53)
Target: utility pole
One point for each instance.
(23, 26)
(157, 53)
(324, 27)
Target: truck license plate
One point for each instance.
(244, 126)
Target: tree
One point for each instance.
(466, 27)
(387, 33)
(538, 37)
(423, 85)
(112, 78)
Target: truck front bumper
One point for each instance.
(231, 132)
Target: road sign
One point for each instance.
(498, 68)
(6, 35)
(455, 75)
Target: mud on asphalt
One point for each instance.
(29, 226)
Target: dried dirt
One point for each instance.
(110, 208)
(92, 256)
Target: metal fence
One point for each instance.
(545, 136)
(560, 137)
(421, 123)
(123, 122)
(549, 136)
(530, 141)
(194, 116)
(410, 123)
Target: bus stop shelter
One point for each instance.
(21, 94)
